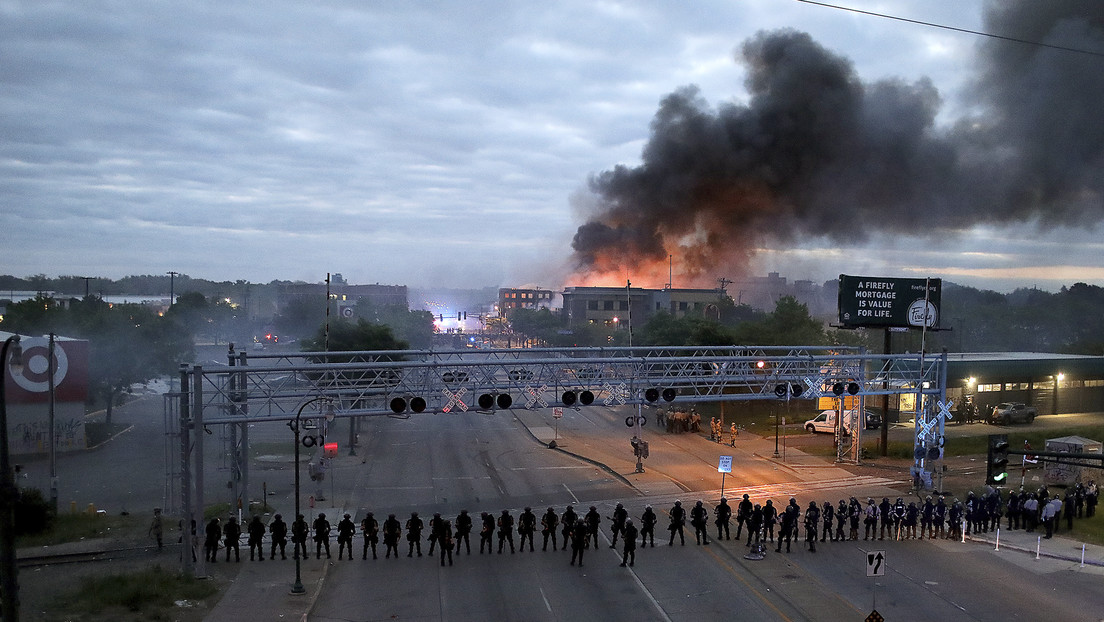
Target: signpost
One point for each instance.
(875, 567)
(724, 467)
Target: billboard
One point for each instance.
(882, 302)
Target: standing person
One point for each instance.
(1013, 510)
(828, 513)
(870, 520)
(841, 521)
(735, 433)
(927, 516)
(299, 537)
(213, 533)
(911, 514)
(345, 531)
(593, 520)
(743, 512)
(231, 533)
(392, 531)
(1068, 510)
(629, 551)
(617, 523)
(579, 538)
(898, 518)
(854, 515)
(1029, 511)
(724, 516)
(527, 526)
(812, 521)
(157, 528)
(505, 531)
(414, 527)
(885, 512)
(277, 531)
(444, 538)
(256, 538)
(549, 521)
(369, 528)
(755, 524)
(321, 536)
(678, 520)
(567, 522)
(648, 522)
(434, 530)
(954, 520)
(486, 531)
(1092, 495)
(1048, 517)
(940, 517)
(1079, 499)
(699, 520)
(770, 517)
(789, 522)
(463, 529)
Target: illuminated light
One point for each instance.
(1061, 376)
(971, 381)
(760, 364)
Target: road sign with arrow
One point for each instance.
(875, 564)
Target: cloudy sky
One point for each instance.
(462, 144)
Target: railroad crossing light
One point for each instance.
(329, 450)
(760, 364)
(651, 395)
(504, 400)
(568, 398)
(586, 398)
(793, 389)
(853, 388)
(996, 467)
(486, 401)
(399, 405)
(669, 395)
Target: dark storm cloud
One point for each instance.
(817, 153)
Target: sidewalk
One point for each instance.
(262, 591)
(1060, 547)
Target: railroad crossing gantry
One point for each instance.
(257, 388)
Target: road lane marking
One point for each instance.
(639, 583)
(576, 499)
(545, 599)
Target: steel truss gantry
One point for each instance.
(262, 387)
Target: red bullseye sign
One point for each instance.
(35, 377)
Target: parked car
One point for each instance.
(1012, 412)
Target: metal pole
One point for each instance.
(197, 450)
(53, 432)
(297, 587)
(186, 541)
(776, 416)
(9, 579)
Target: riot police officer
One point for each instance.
(369, 528)
(345, 531)
(549, 521)
(277, 531)
(812, 521)
(678, 521)
(699, 520)
(620, 515)
(724, 514)
(648, 522)
(629, 552)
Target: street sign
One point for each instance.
(875, 564)
(557, 413)
(724, 465)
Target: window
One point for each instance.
(985, 388)
(592, 305)
(607, 305)
(1094, 383)
(623, 305)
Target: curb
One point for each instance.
(592, 461)
(1022, 549)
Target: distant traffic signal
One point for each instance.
(996, 463)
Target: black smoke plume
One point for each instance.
(818, 153)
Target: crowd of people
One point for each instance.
(933, 517)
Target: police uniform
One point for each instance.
(369, 528)
(648, 522)
(629, 551)
(678, 521)
(414, 526)
(505, 530)
(549, 521)
(231, 533)
(256, 538)
(463, 531)
(527, 525)
(812, 521)
(345, 531)
(299, 533)
(392, 530)
(321, 536)
(699, 520)
(277, 531)
(620, 515)
(724, 515)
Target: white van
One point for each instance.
(825, 422)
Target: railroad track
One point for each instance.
(52, 559)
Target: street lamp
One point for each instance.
(9, 585)
(297, 587)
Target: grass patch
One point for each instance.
(98, 432)
(151, 593)
(69, 527)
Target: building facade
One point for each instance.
(617, 306)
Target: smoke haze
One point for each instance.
(816, 153)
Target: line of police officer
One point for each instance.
(935, 518)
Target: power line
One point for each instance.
(955, 28)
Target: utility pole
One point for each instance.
(172, 286)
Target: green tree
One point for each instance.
(346, 336)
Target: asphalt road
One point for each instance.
(482, 462)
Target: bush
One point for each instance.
(33, 513)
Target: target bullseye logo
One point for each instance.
(35, 376)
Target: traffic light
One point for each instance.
(996, 464)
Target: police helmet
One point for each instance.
(628, 521)
(723, 500)
(698, 503)
(745, 495)
(350, 516)
(647, 507)
(593, 509)
(812, 504)
(528, 509)
(678, 503)
(323, 514)
(278, 516)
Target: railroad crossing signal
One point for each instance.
(875, 563)
(455, 400)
